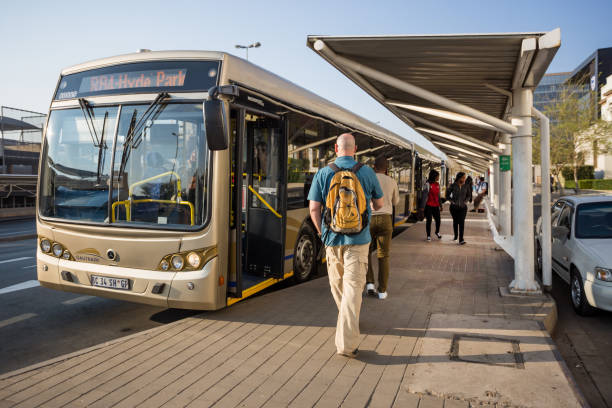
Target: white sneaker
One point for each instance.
(428, 239)
(371, 289)
(382, 295)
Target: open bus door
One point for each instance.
(258, 213)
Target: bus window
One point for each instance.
(303, 141)
(161, 169)
(76, 165)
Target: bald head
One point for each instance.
(345, 145)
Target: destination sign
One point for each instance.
(131, 80)
(140, 77)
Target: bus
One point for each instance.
(180, 178)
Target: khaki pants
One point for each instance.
(381, 229)
(346, 267)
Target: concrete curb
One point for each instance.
(18, 237)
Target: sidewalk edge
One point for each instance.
(564, 368)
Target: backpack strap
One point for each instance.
(334, 167)
(356, 167)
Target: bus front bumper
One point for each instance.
(185, 290)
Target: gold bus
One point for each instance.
(179, 178)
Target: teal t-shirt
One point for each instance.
(320, 188)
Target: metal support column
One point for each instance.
(497, 182)
(505, 193)
(545, 200)
(522, 199)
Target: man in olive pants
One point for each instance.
(347, 255)
(381, 229)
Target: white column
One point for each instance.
(492, 186)
(522, 199)
(496, 182)
(505, 193)
(546, 240)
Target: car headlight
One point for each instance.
(193, 259)
(603, 274)
(164, 265)
(57, 250)
(177, 262)
(66, 254)
(45, 245)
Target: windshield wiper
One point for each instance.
(134, 134)
(102, 150)
(89, 119)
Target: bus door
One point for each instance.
(259, 202)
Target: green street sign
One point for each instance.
(504, 163)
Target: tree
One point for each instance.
(574, 129)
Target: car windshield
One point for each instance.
(160, 170)
(594, 220)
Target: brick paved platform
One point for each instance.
(277, 349)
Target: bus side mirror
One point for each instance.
(216, 125)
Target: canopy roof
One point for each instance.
(8, 124)
(477, 71)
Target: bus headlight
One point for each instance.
(45, 245)
(193, 260)
(187, 261)
(177, 262)
(57, 249)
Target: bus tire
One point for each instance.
(304, 259)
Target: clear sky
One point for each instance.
(39, 38)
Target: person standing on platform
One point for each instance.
(482, 188)
(381, 229)
(431, 203)
(346, 208)
(458, 194)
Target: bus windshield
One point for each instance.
(159, 163)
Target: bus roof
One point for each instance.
(245, 73)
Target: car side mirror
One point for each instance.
(215, 124)
(560, 232)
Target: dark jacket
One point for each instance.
(459, 195)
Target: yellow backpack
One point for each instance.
(345, 205)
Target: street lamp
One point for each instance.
(246, 47)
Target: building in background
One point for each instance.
(549, 90)
(603, 162)
(20, 143)
(591, 74)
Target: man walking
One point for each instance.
(381, 229)
(347, 254)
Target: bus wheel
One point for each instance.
(305, 253)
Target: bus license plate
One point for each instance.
(113, 283)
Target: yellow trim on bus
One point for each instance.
(397, 224)
(265, 202)
(257, 288)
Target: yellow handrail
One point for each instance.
(128, 215)
(265, 202)
(178, 182)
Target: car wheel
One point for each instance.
(304, 259)
(539, 258)
(578, 297)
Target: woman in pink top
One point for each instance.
(431, 203)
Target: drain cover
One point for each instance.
(486, 350)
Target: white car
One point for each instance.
(582, 249)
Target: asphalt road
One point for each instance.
(37, 323)
(584, 342)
